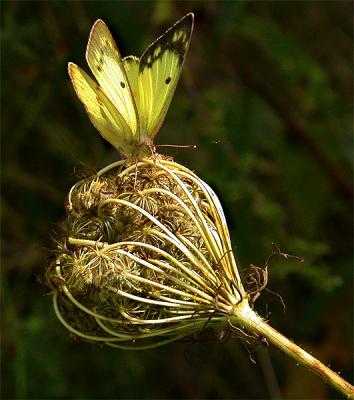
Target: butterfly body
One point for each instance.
(130, 97)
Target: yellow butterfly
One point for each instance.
(129, 101)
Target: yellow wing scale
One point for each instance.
(159, 70)
(131, 67)
(102, 113)
(129, 102)
(105, 62)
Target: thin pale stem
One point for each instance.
(215, 249)
(187, 211)
(185, 251)
(245, 317)
(159, 285)
(106, 247)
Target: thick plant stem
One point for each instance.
(245, 317)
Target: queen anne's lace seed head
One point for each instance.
(145, 256)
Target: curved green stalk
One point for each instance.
(245, 317)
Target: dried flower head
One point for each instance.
(145, 256)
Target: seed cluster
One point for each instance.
(145, 256)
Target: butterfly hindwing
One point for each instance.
(103, 114)
(131, 67)
(159, 70)
(106, 64)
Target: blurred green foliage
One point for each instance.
(266, 95)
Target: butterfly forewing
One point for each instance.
(106, 64)
(101, 111)
(159, 70)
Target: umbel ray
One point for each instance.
(144, 256)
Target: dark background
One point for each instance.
(266, 95)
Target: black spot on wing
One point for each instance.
(168, 80)
(176, 40)
(122, 84)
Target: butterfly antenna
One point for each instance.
(180, 146)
